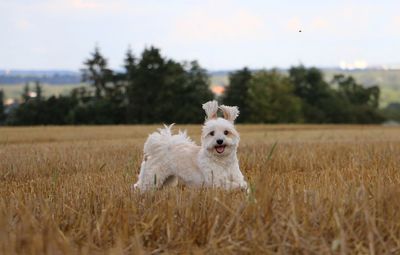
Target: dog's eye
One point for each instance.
(226, 132)
(212, 133)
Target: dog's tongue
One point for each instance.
(220, 149)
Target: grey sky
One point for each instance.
(226, 34)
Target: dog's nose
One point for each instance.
(220, 141)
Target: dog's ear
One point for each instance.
(211, 109)
(230, 112)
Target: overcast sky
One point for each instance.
(220, 34)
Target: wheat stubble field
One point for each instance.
(315, 190)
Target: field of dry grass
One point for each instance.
(315, 190)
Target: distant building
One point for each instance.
(217, 89)
(10, 104)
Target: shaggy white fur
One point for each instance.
(169, 157)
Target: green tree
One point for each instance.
(356, 93)
(26, 93)
(97, 73)
(56, 110)
(2, 107)
(146, 87)
(108, 105)
(193, 89)
(392, 111)
(237, 92)
(130, 66)
(152, 89)
(172, 94)
(51, 111)
(81, 94)
(38, 91)
(95, 112)
(362, 102)
(163, 90)
(271, 99)
(310, 86)
(197, 91)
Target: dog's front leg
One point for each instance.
(139, 183)
(236, 185)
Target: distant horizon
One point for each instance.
(222, 70)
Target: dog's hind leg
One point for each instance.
(170, 181)
(151, 176)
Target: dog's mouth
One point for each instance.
(220, 148)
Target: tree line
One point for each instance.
(152, 88)
(301, 96)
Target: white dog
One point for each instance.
(169, 158)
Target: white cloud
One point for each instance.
(23, 24)
(82, 4)
(294, 24)
(215, 25)
(396, 24)
(68, 6)
(320, 24)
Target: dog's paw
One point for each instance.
(134, 187)
(245, 187)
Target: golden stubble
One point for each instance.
(314, 190)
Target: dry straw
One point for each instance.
(314, 190)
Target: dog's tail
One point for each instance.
(161, 142)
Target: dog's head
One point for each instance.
(219, 136)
